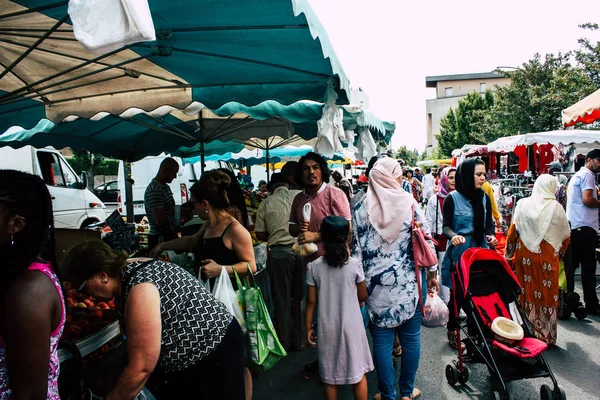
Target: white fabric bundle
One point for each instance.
(102, 26)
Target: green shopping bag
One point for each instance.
(265, 348)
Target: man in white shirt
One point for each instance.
(285, 267)
(582, 212)
(428, 183)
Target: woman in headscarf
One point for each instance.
(467, 223)
(381, 239)
(537, 240)
(435, 218)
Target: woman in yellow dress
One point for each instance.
(537, 240)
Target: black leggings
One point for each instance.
(452, 320)
(220, 375)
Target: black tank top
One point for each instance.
(214, 249)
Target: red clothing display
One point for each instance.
(521, 152)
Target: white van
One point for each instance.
(74, 205)
(142, 173)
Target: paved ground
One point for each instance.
(575, 360)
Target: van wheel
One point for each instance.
(87, 223)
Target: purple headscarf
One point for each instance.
(443, 188)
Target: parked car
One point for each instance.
(74, 205)
(108, 192)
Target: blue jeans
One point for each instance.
(409, 334)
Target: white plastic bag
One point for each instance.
(102, 26)
(305, 249)
(435, 311)
(223, 291)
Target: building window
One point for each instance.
(448, 92)
(482, 87)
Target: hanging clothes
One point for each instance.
(521, 152)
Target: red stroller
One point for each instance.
(484, 286)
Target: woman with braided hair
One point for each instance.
(32, 311)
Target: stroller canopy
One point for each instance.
(495, 265)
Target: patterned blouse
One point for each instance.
(193, 321)
(389, 268)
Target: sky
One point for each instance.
(388, 47)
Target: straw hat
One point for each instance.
(507, 330)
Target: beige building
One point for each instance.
(449, 90)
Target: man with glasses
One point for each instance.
(582, 212)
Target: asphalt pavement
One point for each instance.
(575, 361)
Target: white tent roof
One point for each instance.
(566, 137)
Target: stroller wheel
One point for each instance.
(560, 394)
(451, 374)
(546, 393)
(580, 312)
(463, 377)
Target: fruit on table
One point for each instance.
(85, 314)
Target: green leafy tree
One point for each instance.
(84, 161)
(539, 90)
(410, 157)
(588, 56)
(465, 123)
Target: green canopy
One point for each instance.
(207, 53)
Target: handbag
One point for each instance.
(423, 255)
(264, 345)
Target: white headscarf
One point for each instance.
(388, 205)
(541, 217)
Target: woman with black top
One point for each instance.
(222, 241)
(173, 325)
(468, 223)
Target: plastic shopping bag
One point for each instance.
(102, 26)
(223, 291)
(264, 345)
(305, 249)
(435, 311)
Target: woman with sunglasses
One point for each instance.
(32, 311)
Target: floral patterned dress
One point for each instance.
(389, 268)
(538, 274)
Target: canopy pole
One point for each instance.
(268, 168)
(128, 192)
(201, 143)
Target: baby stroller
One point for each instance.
(484, 286)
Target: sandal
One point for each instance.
(415, 395)
(453, 341)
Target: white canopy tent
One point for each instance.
(577, 137)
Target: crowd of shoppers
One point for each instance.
(364, 258)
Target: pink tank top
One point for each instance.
(54, 366)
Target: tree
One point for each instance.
(84, 161)
(410, 157)
(539, 90)
(588, 56)
(464, 124)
